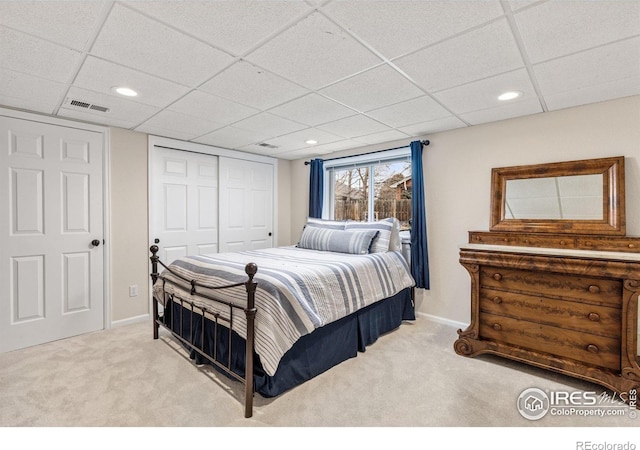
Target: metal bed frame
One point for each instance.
(176, 329)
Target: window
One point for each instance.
(370, 187)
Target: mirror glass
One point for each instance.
(577, 197)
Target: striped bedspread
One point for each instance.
(298, 291)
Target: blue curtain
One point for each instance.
(316, 181)
(419, 251)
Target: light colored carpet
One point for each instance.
(410, 377)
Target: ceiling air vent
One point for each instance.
(264, 144)
(85, 105)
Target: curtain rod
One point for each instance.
(425, 142)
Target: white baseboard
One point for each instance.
(131, 321)
(442, 320)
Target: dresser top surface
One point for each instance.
(594, 254)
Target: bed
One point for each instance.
(275, 318)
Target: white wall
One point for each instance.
(457, 174)
(129, 225)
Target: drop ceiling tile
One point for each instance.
(235, 26)
(507, 111)
(68, 23)
(25, 91)
(519, 4)
(269, 124)
(465, 58)
(388, 85)
(385, 136)
(593, 94)
(395, 28)
(26, 104)
(165, 132)
(309, 152)
(557, 28)
(312, 109)
(353, 126)
(433, 126)
(313, 53)
(119, 108)
(101, 76)
(252, 86)
(131, 39)
(231, 137)
(422, 109)
(258, 150)
(95, 117)
(331, 147)
(189, 126)
(590, 68)
(484, 94)
(23, 53)
(297, 140)
(201, 104)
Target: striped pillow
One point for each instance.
(328, 224)
(356, 242)
(384, 227)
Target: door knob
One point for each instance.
(95, 242)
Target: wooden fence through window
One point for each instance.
(356, 209)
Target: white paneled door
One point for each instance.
(246, 205)
(51, 232)
(184, 203)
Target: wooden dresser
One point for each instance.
(571, 311)
(552, 297)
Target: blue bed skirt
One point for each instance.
(312, 354)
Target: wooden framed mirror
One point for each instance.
(577, 197)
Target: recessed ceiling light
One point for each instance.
(127, 92)
(510, 95)
(311, 141)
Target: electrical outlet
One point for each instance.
(133, 290)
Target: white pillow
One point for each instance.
(327, 224)
(395, 241)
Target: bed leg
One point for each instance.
(155, 318)
(154, 277)
(250, 312)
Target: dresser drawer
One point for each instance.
(597, 350)
(578, 316)
(588, 289)
(610, 244)
(523, 240)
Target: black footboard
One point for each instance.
(182, 327)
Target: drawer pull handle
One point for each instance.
(497, 327)
(497, 276)
(594, 317)
(561, 242)
(497, 300)
(631, 245)
(593, 348)
(594, 289)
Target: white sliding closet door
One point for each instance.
(246, 205)
(184, 203)
(51, 232)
